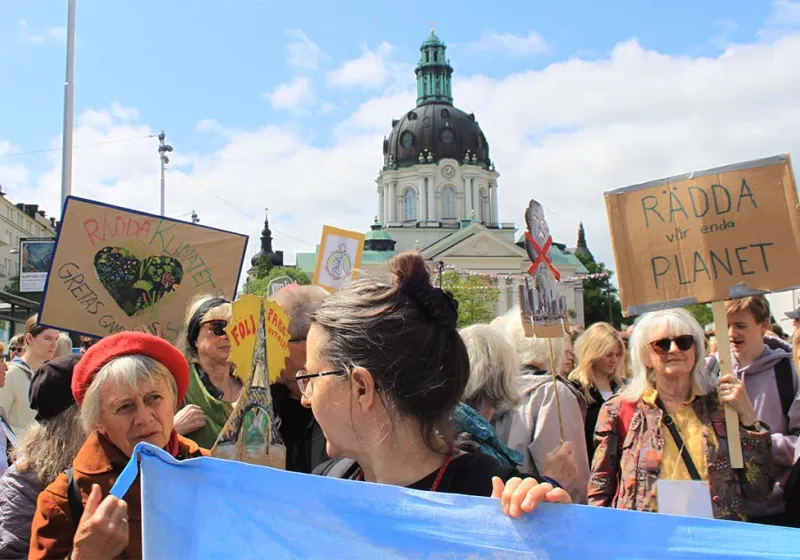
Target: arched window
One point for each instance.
(410, 205)
(448, 202)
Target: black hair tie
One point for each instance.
(196, 321)
(439, 305)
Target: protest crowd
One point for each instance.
(380, 386)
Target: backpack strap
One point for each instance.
(784, 377)
(712, 367)
(74, 497)
(340, 468)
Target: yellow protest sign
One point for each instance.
(242, 332)
(277, 323)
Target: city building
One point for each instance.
(265, 251)
(438, 192)
(19, 221)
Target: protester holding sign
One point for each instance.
(385, 367)
(127, 386)
(40, 345)
(669, 424)
(766, 367)
(212, 386)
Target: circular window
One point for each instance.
(447, 136)
(445, 114)
(406, 139)
(412, 116)
(426, 121)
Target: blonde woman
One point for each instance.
(600, 372)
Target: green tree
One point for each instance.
(13, 288)
(258, 286)
(477, 300)
(600, 296)
(702, 312)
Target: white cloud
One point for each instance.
(304, 54)
(49, 35)
(291, 95)
(372, 69)
(783, 19)
(564, 134)
(511, 44)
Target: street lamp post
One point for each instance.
(69, 107)
(163, 150)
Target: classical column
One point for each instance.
(467, 198)
(423, 200)
(381, 204)
(431, 199)
(393, 201)
(495, 212)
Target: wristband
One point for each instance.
(552, 481)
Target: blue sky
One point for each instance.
(210, 74)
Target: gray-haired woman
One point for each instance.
(669, 423)
(47, 449)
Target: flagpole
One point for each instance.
(69, 107)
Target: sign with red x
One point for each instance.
(542, 255)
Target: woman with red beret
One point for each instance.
(128, 386)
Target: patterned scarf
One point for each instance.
(466, 419)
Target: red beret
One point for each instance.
(127, 344)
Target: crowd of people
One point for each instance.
(381, 386)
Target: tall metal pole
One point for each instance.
(163, 150)
(69, 107)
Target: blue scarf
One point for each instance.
(467, 419)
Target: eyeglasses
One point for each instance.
(217, 328)
(304, 378)
(663, 345)
(297, 340)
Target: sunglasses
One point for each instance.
(217, 328)
(15, 349)
(663, 345)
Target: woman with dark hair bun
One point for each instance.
(385, 367)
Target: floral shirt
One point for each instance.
(624, 474)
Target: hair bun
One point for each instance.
(411, 277)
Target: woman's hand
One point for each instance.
(732, 392)
(190, 419)
(103, 528)
(523, 495)
(560, 465)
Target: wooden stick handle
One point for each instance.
(726, 368)
(555, 387)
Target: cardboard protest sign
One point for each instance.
(243, 330)
(543, 310)
(711, 235)
(116, 269)
(338, 258)
(251, 433)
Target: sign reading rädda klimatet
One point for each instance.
(706, 236)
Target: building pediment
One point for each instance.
(473, 241)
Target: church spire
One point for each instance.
(266, 235)
(434, 73)
(582, 249)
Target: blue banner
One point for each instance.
(210, 508)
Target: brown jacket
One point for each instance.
(97, 462)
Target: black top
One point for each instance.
(469, 474)
(302, 436)
(592, 412)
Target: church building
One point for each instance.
(437, 192)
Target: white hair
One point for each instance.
(493, 370)
(64, 346)
(531, 351)
(676, 322)
(127, 372)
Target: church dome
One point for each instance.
(435, 129)
(439, 130)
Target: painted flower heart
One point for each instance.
(134, 283)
